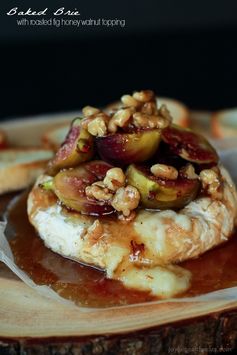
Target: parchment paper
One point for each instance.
(229, 160)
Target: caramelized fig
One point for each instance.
(189, 145)
(124, 148)
(69, 186)
(158, 193)
(77, 148)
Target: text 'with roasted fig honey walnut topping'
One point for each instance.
(113, 182)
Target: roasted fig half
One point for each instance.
(189, 145)
(77, 148)
(158, 193)
(124, 148)
(69, 186)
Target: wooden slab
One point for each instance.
(34, 324)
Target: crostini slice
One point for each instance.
(224, 123)
(54, 137)
(19, 167)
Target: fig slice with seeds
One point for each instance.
(69, 186)
(189, 145)
(158, 193)
(77, 148)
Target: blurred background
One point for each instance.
(182, 49)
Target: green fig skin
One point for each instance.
(121, 149)
(157, 193)
(77, 148)
(69, 186)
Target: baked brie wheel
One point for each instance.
(133, 195)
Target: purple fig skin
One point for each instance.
(69, 186)
(158, 193)
(98, 168)
(77, 148)
(189, 145)
(121, 149)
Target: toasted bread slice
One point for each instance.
(224, 123)
(179, 112)
(200, 121)
(20, 167)
(54, 137)
(3, 139)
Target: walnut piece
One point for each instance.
(143, 96)
(97, 127)
(165, 113)
(114, 179)
(164, 171)
(150, 108)
(126, 199)
(120, 119)
(139, 110)
(142, 120)
(188, 171)
(129, 101)
(89, 111)
(98, 192)
(211, 182)
(208, 176)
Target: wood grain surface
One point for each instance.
(32, 324)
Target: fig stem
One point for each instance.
(47, 185)
(76, 121)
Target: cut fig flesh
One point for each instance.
(69, 186)
(124, 148)
(189, 145)
(77, 148)
(157, 193)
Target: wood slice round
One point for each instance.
(32, 324)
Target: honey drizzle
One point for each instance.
(215, 270)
